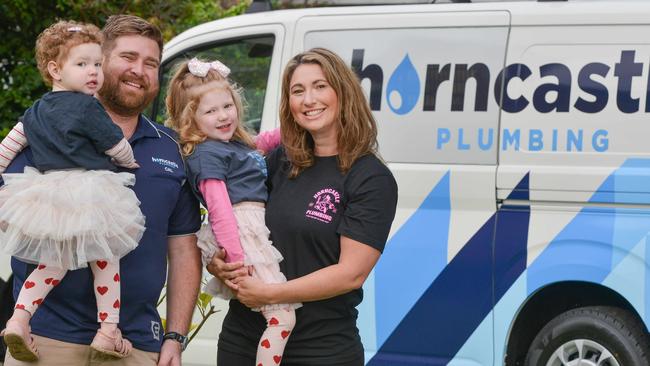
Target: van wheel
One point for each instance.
(591, 336)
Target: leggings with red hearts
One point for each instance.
(279, 324)
(106, 283)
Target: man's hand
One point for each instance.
(170, 353)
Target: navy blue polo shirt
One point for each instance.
(69, 312)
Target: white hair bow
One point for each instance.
(200, 68)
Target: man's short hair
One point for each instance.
(129, 25)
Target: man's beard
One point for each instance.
(118, 99)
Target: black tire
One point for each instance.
(604, 328)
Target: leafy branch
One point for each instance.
(205, 307)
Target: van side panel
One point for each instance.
(428, 78)
(577, 102)
(574, 121)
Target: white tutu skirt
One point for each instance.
(258, 252)
(67, 218)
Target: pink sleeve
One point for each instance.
(268, 140)
(222, 219)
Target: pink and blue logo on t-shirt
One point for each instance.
(261, 163)
(324, 205)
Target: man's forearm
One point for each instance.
(183, 282)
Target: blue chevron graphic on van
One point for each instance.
(461, 296)
(426, 233)
(588, 248)
(598, 238)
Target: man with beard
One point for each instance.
(66, 322)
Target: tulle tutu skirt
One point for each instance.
(67, 218)
(258, 251)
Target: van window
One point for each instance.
(249, 60)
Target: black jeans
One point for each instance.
(6, 307)
(225, 358)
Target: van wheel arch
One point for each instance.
(551, 301)
(611, 335)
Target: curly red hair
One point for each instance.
(55, 42)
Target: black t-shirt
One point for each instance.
(67, 129)
(306, 216)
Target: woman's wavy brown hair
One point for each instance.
(357, 129)
(183, 96)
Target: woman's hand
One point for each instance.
(226, 272)
(252, 292)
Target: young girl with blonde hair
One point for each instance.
(228, 176)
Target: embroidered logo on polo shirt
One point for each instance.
(324, 205)
(155, 330)
(168, 165)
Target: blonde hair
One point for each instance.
(183, 97)
(56, 41)
(357, 129)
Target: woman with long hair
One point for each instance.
(331, 204)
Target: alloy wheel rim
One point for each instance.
(582, 352)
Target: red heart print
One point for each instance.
(37, 302)
(266, 344)
(20, 306)
(260, 364)
(102, 289)
(48, 280)
(29, 284)
(116, 278)
(41, 266)
(273, 321)
(116, 304)
(277, 359)
(103, 316)
(285, 334)
(102, 264)
(55, 282)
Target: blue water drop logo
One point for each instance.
(403, 87)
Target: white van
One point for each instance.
(519, 135)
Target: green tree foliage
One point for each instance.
(22, 20)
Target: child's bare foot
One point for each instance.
(109, 342)
(18, 338)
